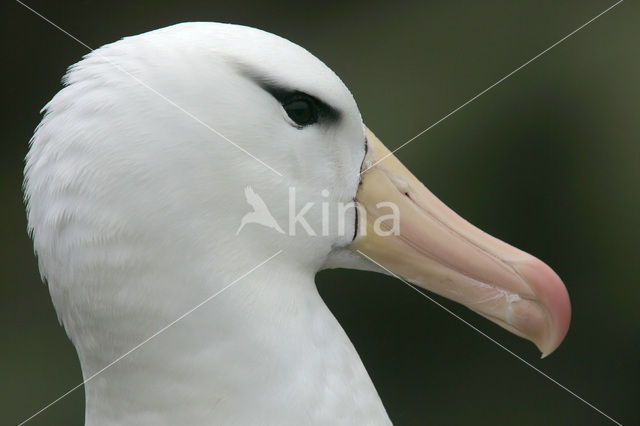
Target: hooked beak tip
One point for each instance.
(553, 296)
(434, 248)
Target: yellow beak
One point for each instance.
(408, 231)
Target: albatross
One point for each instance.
(135, 186)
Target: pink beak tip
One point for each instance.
(554, 297)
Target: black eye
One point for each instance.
(302, 110)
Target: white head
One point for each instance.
(135, 184)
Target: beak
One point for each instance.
(405, 229)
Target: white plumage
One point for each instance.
(134, 208)
(137, 183)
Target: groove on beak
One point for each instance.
(434, 248)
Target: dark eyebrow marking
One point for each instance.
(325, 111)
(283, 94)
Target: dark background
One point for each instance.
(549, 161)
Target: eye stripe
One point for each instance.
(325, 112)
(322, 111)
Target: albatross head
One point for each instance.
(137, 182)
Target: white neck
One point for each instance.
(264, 351)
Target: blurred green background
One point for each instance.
(549, 161)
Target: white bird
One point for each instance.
(134, 187)
(260, 214)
